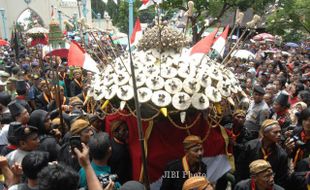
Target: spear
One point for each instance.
(250, 24)
(139, 122)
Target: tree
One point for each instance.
(119, 12)
(213, 9)
(97, 7)
(290, 19)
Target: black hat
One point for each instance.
(15, 70)
(12, 127)
(260, 90)
(92, 118)
(15, 108)
(21, 85)
(23, 132)
(5, 98)
(282, 99)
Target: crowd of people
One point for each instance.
(41, 147)
(53, 135)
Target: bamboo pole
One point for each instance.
(139, 122)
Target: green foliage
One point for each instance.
(97, 7)
(291, 20)
(119, 12)
(214, 9)
(203, 9)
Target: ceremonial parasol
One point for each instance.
(263, 36)
(292, 44)
(50, 51)
(37, 30)
(4, 43)
(63, 53)
(242, 53)
(119, 36)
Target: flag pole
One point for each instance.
(250, 24)
(139, 122)
(130, 17)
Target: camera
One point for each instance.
(299, 143)
(104, 179)
(75, 142)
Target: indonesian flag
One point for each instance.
(147, 3)
(220, 41)
(78, 57)
(136, 34)
(204, 45)
(43, 41)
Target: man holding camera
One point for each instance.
(298, 142)
(79, 127)
(100, 149)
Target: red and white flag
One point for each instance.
(147, 3)
(136, 33)
(78, 57)
(43, 41)
(204, 45)
(220, 42)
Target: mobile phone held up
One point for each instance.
(75, 142)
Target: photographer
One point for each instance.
(47, 135)
(61, 177)
(5, 118)
(100, 151)
(79, 127)
(298, 144)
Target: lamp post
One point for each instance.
(84, 10)
(130, 21)
(75, 18)
(98, 19)
(2, 12)
(59, 19)
(27, 2)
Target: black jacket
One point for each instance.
(48, 143)
(246, 185)
(278, 160)
(75, 89)
(120, 161)
(174, 175)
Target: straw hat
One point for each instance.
(111, 92)
(161, 98)
(155, 82)
(200, 101)
(191, 85)
(181, 101)
(144, 94)
(125, 92)
(173, 85)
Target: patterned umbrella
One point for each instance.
(4, 43)
(242, 53)
(37, 30)
(263, 36)
(292, 44)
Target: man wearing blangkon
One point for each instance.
(178, 171)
